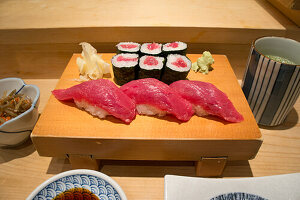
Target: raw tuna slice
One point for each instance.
(207, 99)
(153, 97)
(100, 98)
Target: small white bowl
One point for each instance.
(17, 130)
(96, 182)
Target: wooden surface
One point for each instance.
(37, 38)
(289, 8)
(41, 57)
(69, 121)
(63, 129)
(24, 169)
(92, 13)
(37, 22)
(48, 61)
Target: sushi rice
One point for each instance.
(150, 67)
(151, 49)
(145, 109)
(174, 48)
(125, 67)
(128, 47)
(177, 68)
(96, 111)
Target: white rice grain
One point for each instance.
(145, 109)
(96, 111)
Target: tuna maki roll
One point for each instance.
(174, 48)
(150, 67)
(128, 47)
(177, 68)
(124, 67)
(151, 49)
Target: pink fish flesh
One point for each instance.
(100, 98)
(128, 46)
(173, 45)
(154, 97)
(179, 63)
(207, 99)
(122, 58)
(153, 46)
(150, 60)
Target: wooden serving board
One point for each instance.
(63, 129)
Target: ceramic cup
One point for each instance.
(271, 87)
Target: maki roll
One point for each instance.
(151, 49)
(174, 48)
(124, 67)
(150, 67)
(128, 47)
(177, 68)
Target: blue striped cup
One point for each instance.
(272, 87)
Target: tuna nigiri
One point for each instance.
(153, 97)
(207, 99)
(100, 98)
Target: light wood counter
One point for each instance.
(215, 21)
(42, 34)
(22, 169)
(37, 39)
(31, 14)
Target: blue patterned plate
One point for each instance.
(101, 185)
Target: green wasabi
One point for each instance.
(203, 63)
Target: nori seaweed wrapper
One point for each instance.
(181, 52)
(169, 76)
(121, 51)
(152, 73)
(149, 54)
(124, 75)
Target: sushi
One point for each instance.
(152, 49)
(207, 99)
(100, 98)
(174, 48)
(153, 97)
(125, 67)
(177, 68)
(150, 67)
(128, 47)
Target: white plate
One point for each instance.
(278, 187)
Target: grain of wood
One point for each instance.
(24, 169)
(290, 8)
(40, 22)
(28, 14)
(66, 116)
(48, 61)
(64, 129)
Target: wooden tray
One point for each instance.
(64, 130)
